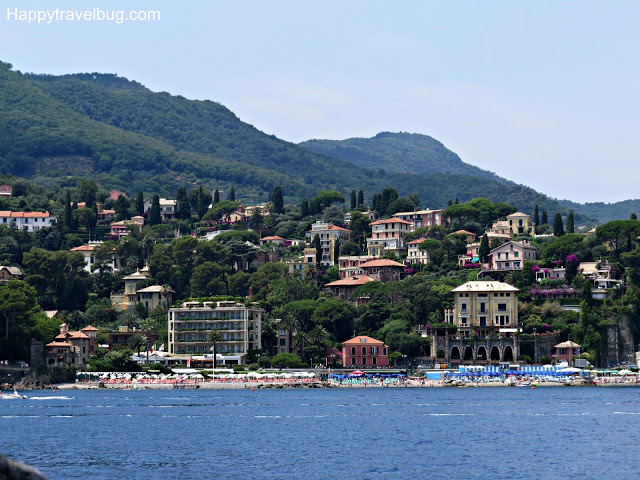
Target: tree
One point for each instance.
(336, 250)
(401, 204)
(216, 197)
(325, 198)
(544, 218)
(304, 208)
(315, 243)
(136, 342)
(350, 249)
(183, 206)
(633, 216)
(17, 305)
(232, 194)
(485, 250)
(536, 218)
(336, 317)
(220, 209)
(285, 360)
(570, 228)
(214, 337)
(86, 191)
(360, 198)
(558, 229)
(68, 214)
(354, 200)
(154, 211)
(139, 203)
(277, 200)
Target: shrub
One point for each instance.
(254, 366)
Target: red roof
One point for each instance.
(335, 227)
(89, 328)
(354, 281)
(83, 248)
(7, 213)
(59, 344)
(463, 231)
(274, 237)
(382, 262)
(390, 220)
(363, 339)
(416, 242)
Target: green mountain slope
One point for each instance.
(399, 152)
(605, 212)
(130, 138)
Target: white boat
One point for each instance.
(10, 396)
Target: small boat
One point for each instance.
(14, 395)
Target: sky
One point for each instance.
(544, 93)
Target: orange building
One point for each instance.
(365, 352)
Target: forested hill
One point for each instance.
(399, 152)
(605, 212)
(127, 137)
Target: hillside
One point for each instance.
(399, 152)
(605, 212)
(128, 137)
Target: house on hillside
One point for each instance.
(388, 236)
(328, 234)
(365, 352)
(421, 218)
(383, 270)
(6, 190)
(10, 273)
(520, 223)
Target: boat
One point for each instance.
(14, 395)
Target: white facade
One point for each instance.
(30, 220)
(191, 324)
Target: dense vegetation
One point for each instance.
(127, 137)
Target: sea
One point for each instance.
(341, 433)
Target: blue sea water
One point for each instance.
(373, 433)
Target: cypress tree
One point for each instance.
(315, 206)
(485, 250)
(634, 216)
(232, 194)
(277, 200)
(183, 205)
(316, 244)
(304, 208)
(536, 218)
(545, 221)
(204, 199)
(354, 200)
(558, 229)
(216, 197)
(361, 198)
(570, 227)
(336, 251)
(68, 214)
(139, 203)
(154, 211)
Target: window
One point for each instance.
(515, 254)
(463, 320)
(502, 307)
(483, 307)
(364, 350)
(374, 350)
(353, 351)
(353, 361)
(463, 307)
(364, 360)
(384, 350)
(283, 342)
(483, 321)
(374, 361)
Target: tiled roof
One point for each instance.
(390, 220)
(363, 340)
(6, 213)
(351, 281)
(273, 237)
(382, 262)
(466, 232)
(59, 344)
(487, 286)
(83, 248)
(89, 328)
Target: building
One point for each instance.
(368, 214)
(415, 254)
(9, 273)
(510, 256)
(484, 308)
(566, 351)
(32, 221)
(6, 190)
(502, 227)
(520, 223)
(88, 251)
(383, 270)
(167, 208)
(120, 337)
(273, 239)
(123, 228)
(114, 194)
(349, 266)
(345, 287)
(387, 236)
(240, 327)
(365, 352)
(328, 234)
(154, 296)
(422, 218)
(470, 236)
(299, 267)
(74, 347)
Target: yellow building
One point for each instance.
(483, 308)
(520, 223)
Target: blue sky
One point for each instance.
(543, 93)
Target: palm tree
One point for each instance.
(290, 324)
(318, 335)
(136, 342)
(148, 328)
(300, 339)
(214, 337)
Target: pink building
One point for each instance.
(5, 190)
(365, 352)
(422, 218)
(565, 351)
